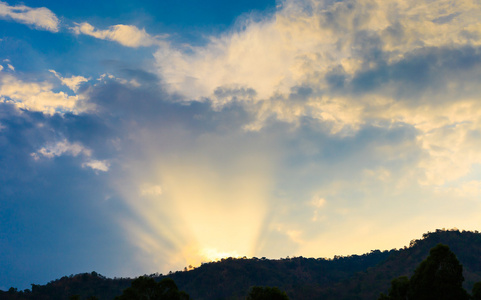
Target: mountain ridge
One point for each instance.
(342, 277)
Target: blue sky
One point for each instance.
(142, 137)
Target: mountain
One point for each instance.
(369, 283)
(351, 277)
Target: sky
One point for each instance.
(146, 136)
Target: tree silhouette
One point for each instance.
(476, 294)
(145, 288)
(438, 277)
(266, 293)
(399, 289)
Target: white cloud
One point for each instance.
(73, 82)
(37, 96)
(126, 35)
(61, 148)
(64, 147)
(98, 165)
(41, 17)
(104, 78)
(1, 68)
(373, 49)
(11, 67)
(299, 46)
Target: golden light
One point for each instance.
(193, 208)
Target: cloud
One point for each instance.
(468, 189)
(318, 202)
(305, 41)
(345, 66)
(126, 35)
(64, 147)
(99, 165)
(150, 190)
(37, 96)
(61, 148)
(41, 18)
(72, 83)
(1, 68)
(11, 67)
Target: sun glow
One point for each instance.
(213, 254)
(188, 209)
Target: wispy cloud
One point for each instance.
(73, 82)
(41, 18)
(150, 190)
(64, 147)
(99, 165)
(126, 35)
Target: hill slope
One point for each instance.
(368, 284)
(353, 277)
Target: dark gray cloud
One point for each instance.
(426, 70)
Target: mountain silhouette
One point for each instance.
(348, 277)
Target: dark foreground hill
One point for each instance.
(352, 277)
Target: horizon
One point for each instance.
(144, 137)
(220, 260)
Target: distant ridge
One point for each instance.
(351, 277)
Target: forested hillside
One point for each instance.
(352, 277)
